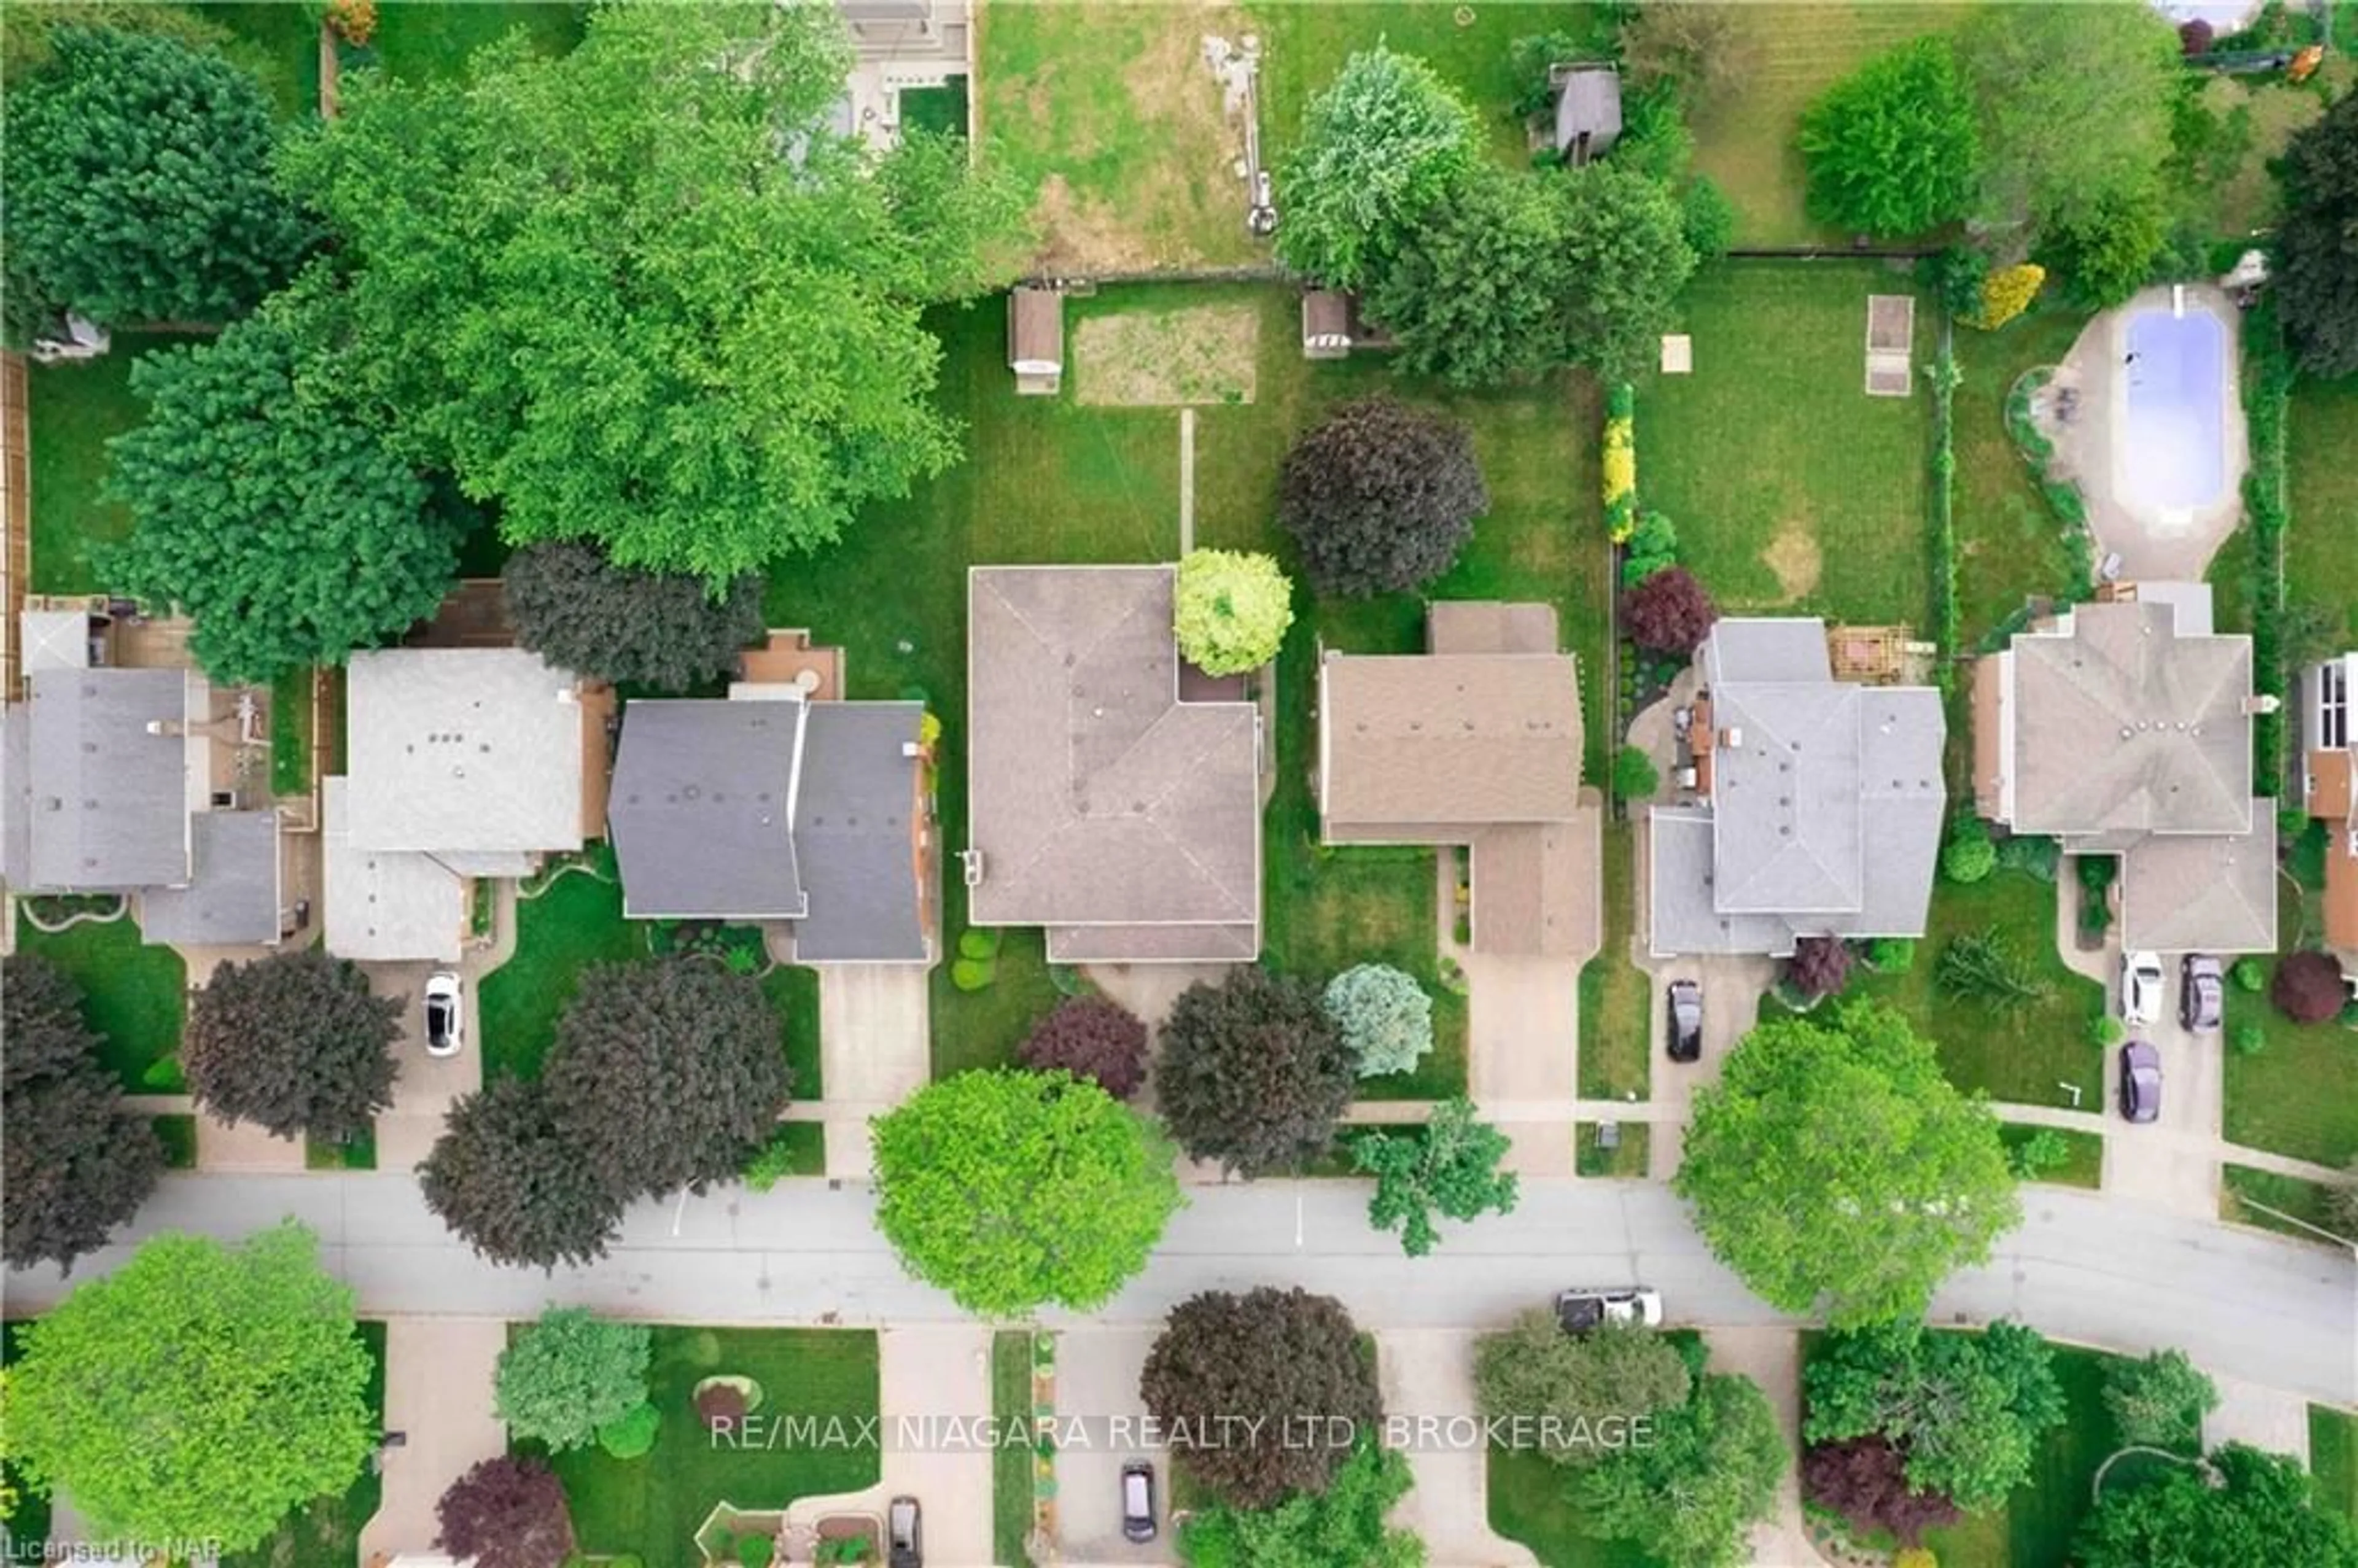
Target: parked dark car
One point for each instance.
(2140, 1081)
(905, 1532)
(2202, 992)
(1138, 1501)
(1686, 1021)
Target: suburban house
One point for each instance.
(464, 763)
(1114, 791)
(774, 805)
(1475, 742)
(2124, 726)
(2330, 791)
(1816, 802)
(125, 781)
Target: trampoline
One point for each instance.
(2174, 458)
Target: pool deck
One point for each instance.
(2093, 448)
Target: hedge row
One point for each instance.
(2267, 392)
(1620, 465)
(1946, 621)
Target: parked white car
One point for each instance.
(2141, 988)
(446, 1014)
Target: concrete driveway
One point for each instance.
(938, 1379)
(2165, 1163)
(1523, 1044)
(874, 1051)
(1732, 990)
(1097, 1385)
(423, 1093)
(438, 1395)
(1428, 1384)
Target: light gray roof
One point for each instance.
(2202, 893)
(233, 900)
(108, 804)
(15, 794)
(1679, 893)
(457, 748)
(1785, 799)
(700, 809)
(55, 639)
(1588, 99)
(855, 818)
(393, 905)
(1766, 650)
(2123, 723)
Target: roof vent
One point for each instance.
(1731, 736)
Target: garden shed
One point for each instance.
(1588, 109)
(1036, 341)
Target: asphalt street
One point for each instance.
(2084, 1268)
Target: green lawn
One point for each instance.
(1528, 1505)
(2333, 1457)
(2305, 1202)
(2321, 548)
(279, 43)
(1010, 1465)
(1615, 1038)
(73, 411)
(2035, 1528)
(178, 1134)
(326, 1533)
(2297, 1096)
(1792, 491)
(2022, 1057)
(650, 1507)
(135, 995)
(422, 40)
(1748, 140)
(290, 732)
(2085, 1168)
(1628, 1159)
(2009, 546)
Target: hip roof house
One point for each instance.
(1475, 742)
(1821, 802)
(2124, 726)
(1114, 793)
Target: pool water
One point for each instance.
(2175, 370)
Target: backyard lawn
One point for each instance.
(326, 1533)
(276, 41)
(2321, 548)
(135, 995)
(2009, 546)
(422, 40)
(72, 410)
(651, 1506)
(1792, 491)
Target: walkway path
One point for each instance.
(2264, 1417)
(438, 1395)
(873, 1050)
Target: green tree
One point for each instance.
(2160, 1400)
(1252, 1073)
(296, 1043)
(2317, 274)
(1231, 612)
(1342, 1527)
(289, 532)
(139, 181)
(661, 629)
(1967, 1411)
(1580, 1389)
(2263, 1508)
(1384, 1016)
(1634, 777)
(1384, 145)
(199, 1393)
(505, 1175)
(592, 288)
(1892, 146)
(28, 34)
(1380, 498)
(1011, 1189)
(1691, 1493)
(1834, 1167)
(567, 1375)
(2106, 249)
(1454, 1169)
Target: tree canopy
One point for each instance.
(1091, 1037)
(1381, 497)
(2160, 1400)
(140, 184)
(1231, 612)
(1966, 1410)
(1865, 1480)
(1892, 147)
(1835, 1166)
(642, 294)
(1582, 1389)
(291, 533)
(1451, 1168)
(199, 1393)
(78, 1165)
(1010, 1189)
(1381, 147)
(1343, 1527)
(2308, 986)
(506, 1513)
(1253, 1073)
(505, 1175)
(2263, 1510)
(1291, 1361)
(2316, 274)
(1385, 1017)
(661, 629)
(569, 1374)
(1668, 613)
(1690, 1495)
(295, 1042)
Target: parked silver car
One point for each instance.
(2202, 992)
(1138, 1501)
(2140, 1081)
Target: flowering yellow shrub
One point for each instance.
(1914, 1557)
(1620, 477)
(354, 21)
(2007, 292)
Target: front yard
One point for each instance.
(1615, 1026)
(135, 995)
(2300, 1095)
(2035, 1528)
(326, 1532)
(651, 1506)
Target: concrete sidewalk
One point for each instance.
(438, 1394)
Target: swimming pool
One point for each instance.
(2174, 454)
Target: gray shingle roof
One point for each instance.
(108, 801)
(856, 819)
(233, 899)
(1766, 650)
(700, 809)
(2202, 893)
(457, 748)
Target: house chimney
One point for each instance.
(2262, 703)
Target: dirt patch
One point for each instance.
(1793, 556)
(1165, 359)
(1082, 234)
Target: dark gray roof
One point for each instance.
(701, 808)
(856, 815)
(109, 800)
(1679, 893)
(233, 899)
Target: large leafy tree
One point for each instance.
(665, 631)
(1091, 1037)
(139, 181)
(506, 1513)
(1965, 1411)
(1670, 613)
(569, 1374)
(1343, 1527)
(1892, 146)
(2316, 275)
(2243, 1507)
(1579, 1388)
(1384, 145)
(2160, 1400)
(198, 1393)
(1289, 1361)
(1253, 1073)
(642, 294)
(1231, 610)
(505, 1175)
(1010, 1189)
(1452, 1170)
(290, 532)
(667, 1074)
(1834, 1166)
(1692, 1492)
(295, 1042)
(1380, 498)
(78, 1163)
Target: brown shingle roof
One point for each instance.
(2329, 784)
(1462, 739)
(2341, 889)
(1535, 888)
